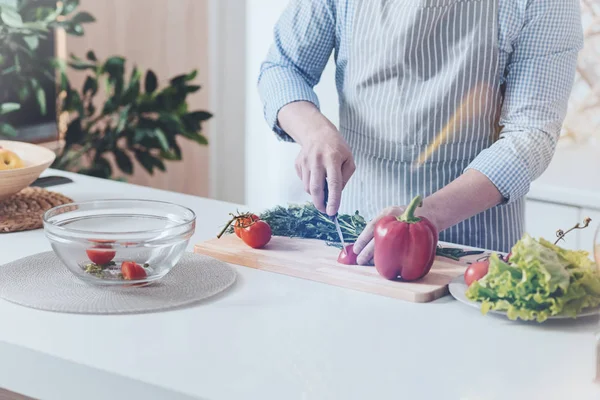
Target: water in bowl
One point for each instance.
(143, 239)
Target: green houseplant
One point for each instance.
(119, 115)
(136, 121)
(23, 70)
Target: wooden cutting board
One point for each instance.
(314, 260)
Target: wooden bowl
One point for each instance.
(36, 159)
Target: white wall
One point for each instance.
(270, 175)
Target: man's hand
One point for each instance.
(364, 246)
(328, 157)
(468, 195)
(324, 154)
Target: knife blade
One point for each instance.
(48, 181)
(335, 219)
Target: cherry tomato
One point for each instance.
(242, 222)
(348, 257)
(101, 254)
(476, 271)
(132, 271)
(257, 234)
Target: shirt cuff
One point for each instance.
(279, 89)
(503, 166)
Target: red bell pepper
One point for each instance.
(405, 246)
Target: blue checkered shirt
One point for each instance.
(539, 41)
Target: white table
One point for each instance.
(277, 337)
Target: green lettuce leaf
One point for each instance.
(541, 280)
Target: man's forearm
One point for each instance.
(470, 194)
(303, 121)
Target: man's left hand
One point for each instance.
(365, 245)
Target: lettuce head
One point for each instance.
(539, 281)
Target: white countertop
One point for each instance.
(571, 178)
(278, 337)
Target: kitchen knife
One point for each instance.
(335, 219)
(48, 181)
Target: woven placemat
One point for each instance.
(24, 210)
(41, 281)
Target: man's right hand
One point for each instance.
(324, 154)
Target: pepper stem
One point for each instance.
(409, 214)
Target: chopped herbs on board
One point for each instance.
(305, 221)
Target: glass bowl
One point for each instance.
(119, 242)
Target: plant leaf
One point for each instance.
(123, 116)
(170, 155)
(192, 75)
(91, 109)
(170, 124)
(151, 138)
(7, 129)
(32, 41)
(192, 88)
(6, 108)
(54, 14)
(123, 161)
(109, 107)
(24, 93)
(70, 6)
(193, 121)
(74, 102)
(74, 134)
(151, 82)
(180, 80)
(11, 17)
(115, 66)
(162, 139)
(198, 138)
(159, 164)
(199, 116)
(90, 55)
(133, 90)
(101, 168)
(40, 95)
(82, 65)
(146, 160)
(91, 85)
(36, 26)
(83, 17)
(74, 29)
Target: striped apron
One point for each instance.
(421, 99)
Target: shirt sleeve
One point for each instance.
(539, 78)
(304, 38)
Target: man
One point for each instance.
(460, 101)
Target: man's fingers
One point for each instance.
(348, 169)
(365, 237)
(317, 188)
(334, 184)
(306, 179)
(366, 255)
(367, 234)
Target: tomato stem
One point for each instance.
(561, 234)
(409, 214)
(225, 228)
